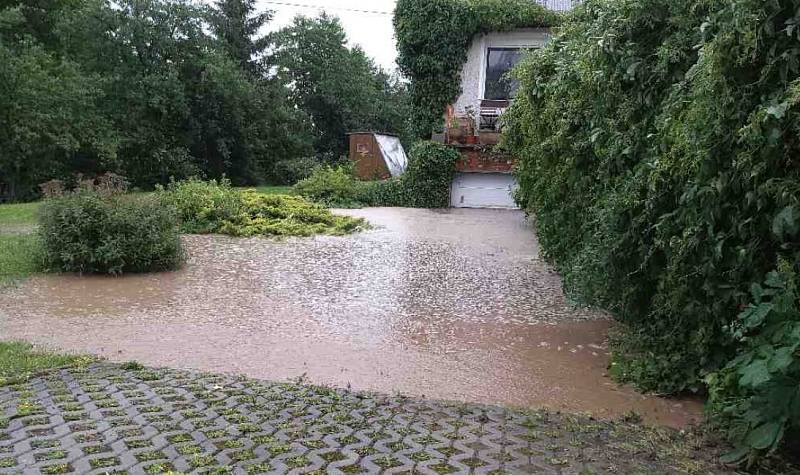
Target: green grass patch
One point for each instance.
(19, 257)
(21, 214)
(275, 190)
(19, 361)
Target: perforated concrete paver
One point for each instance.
(128, 419)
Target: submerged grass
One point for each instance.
(20, 361)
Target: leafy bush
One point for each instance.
(289, 172)
(212, 207)
(334, 186)
(757, 395)
(659, 153)
(202, 205)
(425, 184)
(89, 232)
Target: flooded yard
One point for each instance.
(453, 305)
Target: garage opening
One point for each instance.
(483, 190)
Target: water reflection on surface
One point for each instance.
(449, 304)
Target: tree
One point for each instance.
(237, 25)
(49, 115)
(340, 88)
(182, 104)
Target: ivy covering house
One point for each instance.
(458, 55)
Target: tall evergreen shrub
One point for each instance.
(659, 152)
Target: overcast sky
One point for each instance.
(361, 19)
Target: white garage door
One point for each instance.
(483, 190)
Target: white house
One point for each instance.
(484, 176)
(485, 181)
(491, 57)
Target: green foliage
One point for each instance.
(202, 205)
(20, 256)
(425, 184)
(334, 186)
(90, 232)
(658, 152)
(339, 87)
(211, 207)
(757, 395)
(50, 111)
(237, 25)
(19, 361)
(434, 36)
(289, 172)
(151, 90)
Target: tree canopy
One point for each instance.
(162, 89)
(339, 87)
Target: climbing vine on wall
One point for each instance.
(434, 36)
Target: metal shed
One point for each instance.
(377, 156)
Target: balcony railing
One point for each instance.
(559, 5)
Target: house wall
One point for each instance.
(473, 75)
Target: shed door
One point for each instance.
(483, 190)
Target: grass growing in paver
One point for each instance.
(159, 468)
(104, 462)
(19, 361)
(56, 469)
(628, 448)
(52, 455)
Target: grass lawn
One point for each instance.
(18, 214)
(18, 257)
(275, 190)
(20, 361)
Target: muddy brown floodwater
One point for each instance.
(453, 304)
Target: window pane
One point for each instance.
(499, 62)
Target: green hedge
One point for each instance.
(658, 145)
(434, 36)
(425, 184)
(89, 232)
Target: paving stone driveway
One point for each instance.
(124, 418)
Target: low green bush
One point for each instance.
(202, 205)
(90, 232)
(334, 186)
(215, 207)
(291, 171)
(425, 184)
